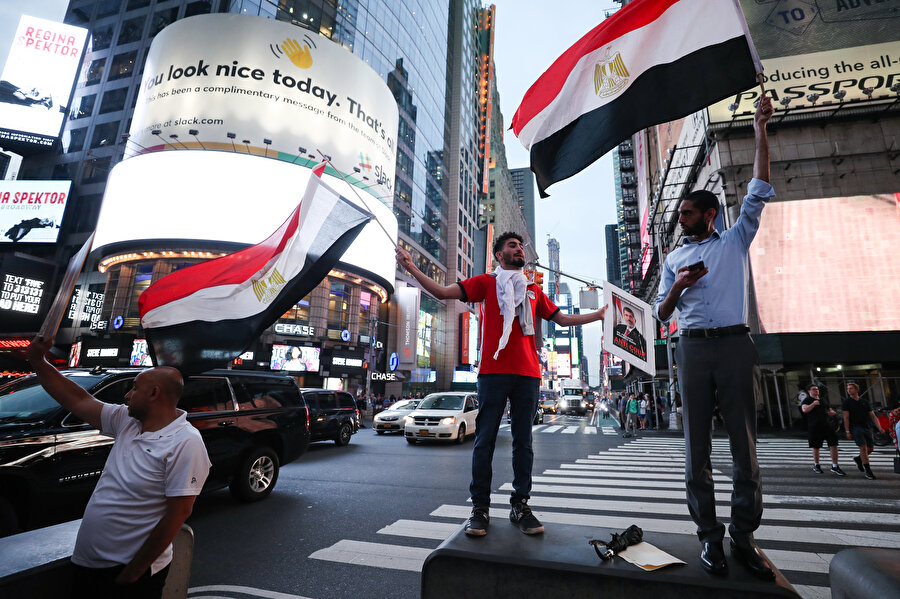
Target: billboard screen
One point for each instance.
(811, 275)
(31, 211)
(23, 287)
(294, 358)
(272, 85)
(233, 197)
(36, 83)
(820, 47)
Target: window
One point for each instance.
(113, 100)
(338, 302)
(108, 7)
(161, 19)
(73, 140)
(122, 65)
(105, 135)
(64, 171)
(115, 392)
(95, 170)
(95, 71)
(101, 37)
(325, 401)
(365, 310)
(132, 30)
(143, 275)
(133, 4)
(259, 394)
(206, 395)
(345, 400)
(201, 7)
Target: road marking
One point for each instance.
(420, 529)
(618, 473)
(552, 429)
(571, 430)
(377, 555)
(723, 484)
(827, 536)
(590, 430)
(629, 468)
(810, 592)
(237, 590)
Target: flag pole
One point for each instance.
(761, 78)
(353, 187)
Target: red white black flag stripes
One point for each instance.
(206, 315)
(653, 61)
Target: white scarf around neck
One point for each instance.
(511, 288)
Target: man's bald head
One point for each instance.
(168, 380)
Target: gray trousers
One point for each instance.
(723, 370)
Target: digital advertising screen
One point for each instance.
(36, 83)
(811, 275)
(295, 358)
(140, 355)
(32, 211)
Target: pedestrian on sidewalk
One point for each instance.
(817, 412)
(707, 279)
(642, 411)
(509, 370)
(857, 415)
(631, 415)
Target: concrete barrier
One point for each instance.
(864, 573)
(37, 563)
(561, 563)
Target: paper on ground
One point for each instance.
(648, 557)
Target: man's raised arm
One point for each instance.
(573, 320)
(437, 290)
(65, 392)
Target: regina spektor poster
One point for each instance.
(628, 329)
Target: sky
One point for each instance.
(529, 35)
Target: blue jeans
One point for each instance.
(493, 391)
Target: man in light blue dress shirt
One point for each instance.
(707, 280)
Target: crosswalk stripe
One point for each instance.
(419, 529)
(378, 555)
(647, 482)
(828, 536)
(552, 429)
(619, 472)
(810, 592)
(570, 430)
(590, 430)
(681, 509)
(628, 468)
(197, 592)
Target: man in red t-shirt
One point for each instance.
(509, 369)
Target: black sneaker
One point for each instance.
(521, 515)
(817, 469)
(837, 471)
(858, 461)
(477, 524)
(868, 472)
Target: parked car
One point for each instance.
(391, 420)
(333, 415)
(538, 414)
(446, 416)
(50, 460)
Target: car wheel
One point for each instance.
(343, 435)
(9, 520)
(461, 434)
(410, 440)
(256, 476)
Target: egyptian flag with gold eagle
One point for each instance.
(205, 315)
(653, 61)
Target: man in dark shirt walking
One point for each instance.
(818, 431)
(857, 414)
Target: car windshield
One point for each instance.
(572, 391)
(25, 400)
(409, 404)
(442, 402)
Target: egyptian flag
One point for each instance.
(653, 61)
(206, 315)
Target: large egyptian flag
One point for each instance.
(653, 61)
(205, 315)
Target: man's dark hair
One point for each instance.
(704, 200)
(501, 241)
(629, 310)
(811, 385)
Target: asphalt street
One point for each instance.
(358, 521)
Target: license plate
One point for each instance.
(423, 431)
(388, 425)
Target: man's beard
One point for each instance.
(516, 262)
(698, 229)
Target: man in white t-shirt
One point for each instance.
(154, 472)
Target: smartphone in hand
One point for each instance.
(697, 266)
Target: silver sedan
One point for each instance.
(391, 420)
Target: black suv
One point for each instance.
(333, 415)
(50, 460)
